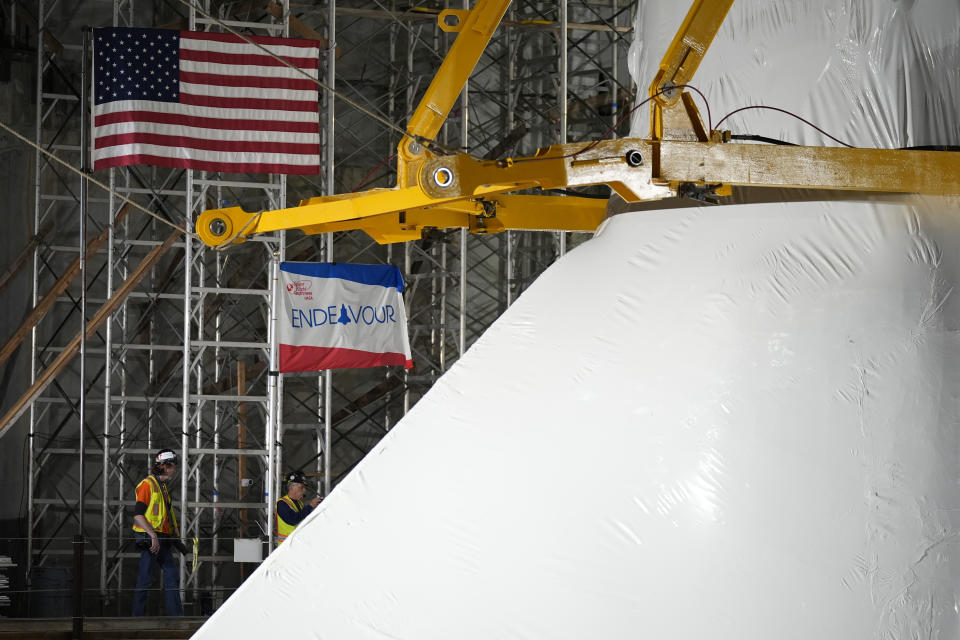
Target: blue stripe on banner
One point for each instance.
(383, 275)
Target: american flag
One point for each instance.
(207, 101)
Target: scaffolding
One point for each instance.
(185, 361)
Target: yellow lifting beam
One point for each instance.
(622, 164)
(474, 29)
(680, 155)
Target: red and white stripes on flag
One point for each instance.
(207, 101)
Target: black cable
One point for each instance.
(578, 194)
(756, 138)
(932, 147)
(922, 147)
(789, 113)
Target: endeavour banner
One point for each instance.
(340, 316)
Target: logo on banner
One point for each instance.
(301, 288)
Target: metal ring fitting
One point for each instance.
(218, 227)
(442, 177)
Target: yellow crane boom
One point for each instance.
(436, 190)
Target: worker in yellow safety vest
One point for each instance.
(290, 509)
(157, 534)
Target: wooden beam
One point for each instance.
(71, 350)
(38, 312)
(299, 27)
(21, 260)
(51, 43)
(797, 167)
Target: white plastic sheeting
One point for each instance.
(729, 422)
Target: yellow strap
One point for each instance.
(293, 504)
(196, 554)
(168, 507)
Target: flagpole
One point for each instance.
(330, 159)
(84, 203)
(78, 540)
(282, 257)
(272, 419)
(327, 406)
(327, 418)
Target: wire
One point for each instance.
(709, 124)
(706, 104)
(421, 139)
(932, 147)
(89, 178)
(594, 143)
(370, 173)
(255, 216)
(922, 147)
(756, 138)
(578, 194)
(789, 113)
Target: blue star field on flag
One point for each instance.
(137, 64)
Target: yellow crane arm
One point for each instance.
(678, 157)
(689, 46)
(474, 29)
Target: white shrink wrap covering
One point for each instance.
(736, 422)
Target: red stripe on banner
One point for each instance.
(204, 165)
(205, 123)
(264, 40)
(215, 79)
(250, 103)
(185, 142)
(293, 359)
(253, 59)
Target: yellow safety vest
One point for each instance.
(283, 529)
(157, 509)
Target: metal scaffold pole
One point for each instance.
(464, 236)
(443, 309)
(281, 257)
(563, 99)
(272, 403)
(79, 540)
(614, 69)
(34, 298)
(331, 188)
(407, 298)
(185, 419)
(462, 346)
(218, 372)
(107, 393)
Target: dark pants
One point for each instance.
(170, 570)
